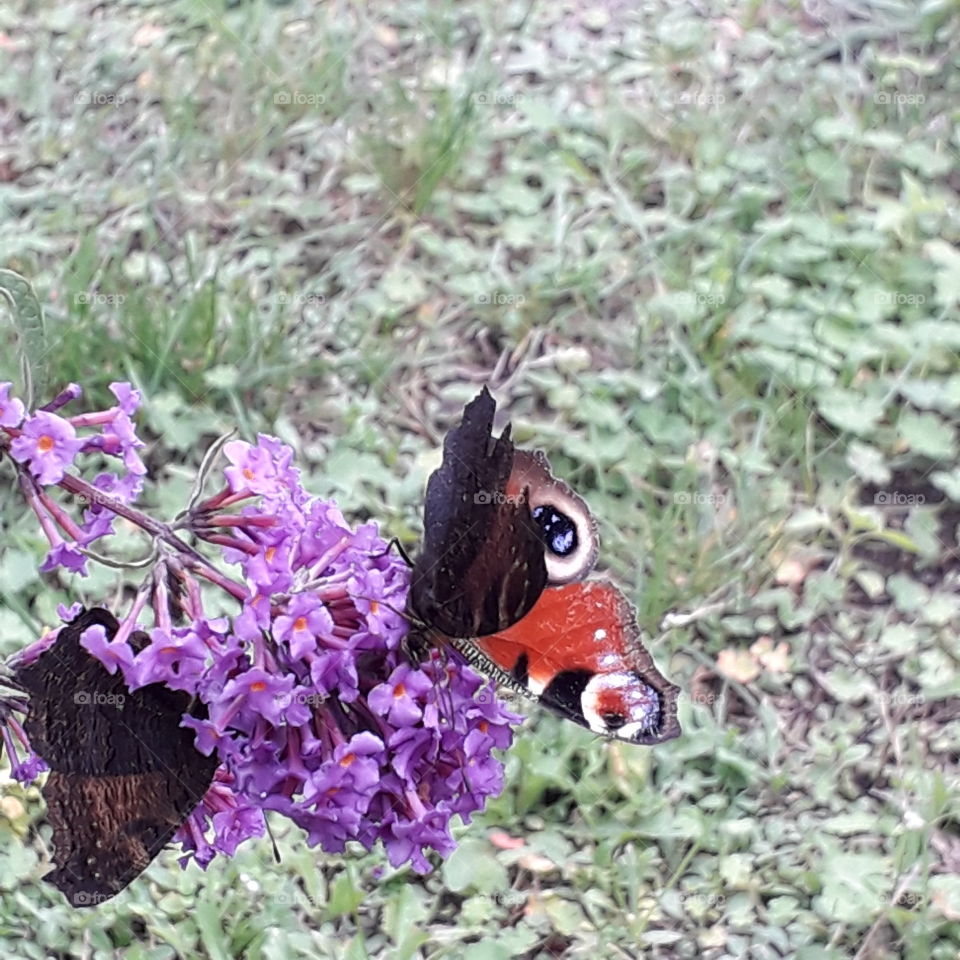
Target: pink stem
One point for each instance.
(232, 543)
(225, 498)
(94, 419)
(157, 529)
(63, 519)
(161, 599)
(211, 573)
(31, 493)
(130, 620)
(238, 520)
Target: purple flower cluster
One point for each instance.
(313, 707)
(48, 444)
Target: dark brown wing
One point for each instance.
(124, 773)
(482, 564)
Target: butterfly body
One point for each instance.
(502, 577)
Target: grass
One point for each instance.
(707, 257)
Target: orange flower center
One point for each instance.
(248, 473)
(374, 606)
(399, 691)
(168, 650)
(258, 686)
(45, 444)
(300, 623)
(347, 760)
(270, 554)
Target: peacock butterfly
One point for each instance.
(501, 576)
(124, 775)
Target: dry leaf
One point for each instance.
(940, 900)
(792, 572)
(11, 808)
(536, 863)
(387, 36)
(772, 658)
(738, 665)
(148, 34)
(503, 841)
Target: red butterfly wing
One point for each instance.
(579, 651)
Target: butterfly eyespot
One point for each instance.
(559, 531)
(569, 537)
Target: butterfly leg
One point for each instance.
(395, 543)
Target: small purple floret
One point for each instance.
(49, 443)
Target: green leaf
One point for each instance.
(947, 260)
(472, 866)
(948, 482)
(222, 377)
(29, 322)
(928, 435)
(566, 915)
(854, 887)
(345, 895)
(868, 463)
(908, 594)
(850, 410)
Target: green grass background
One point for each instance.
(706, 255)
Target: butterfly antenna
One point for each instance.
(273, 842)
(395, 543)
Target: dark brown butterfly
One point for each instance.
(507, 547)
(124, 775)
